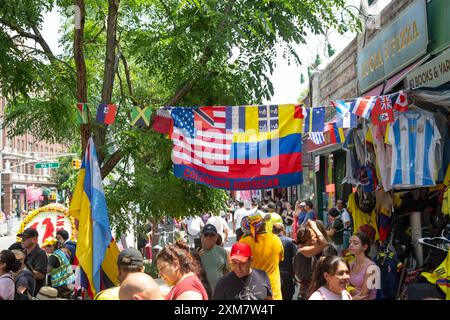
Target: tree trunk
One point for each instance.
(80, 64)
(108, 75)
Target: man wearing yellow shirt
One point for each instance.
(267, 249)
(274, 217)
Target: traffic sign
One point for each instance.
(46, 165)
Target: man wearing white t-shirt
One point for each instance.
(221, 227)
(194, 227)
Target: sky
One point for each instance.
(286, 77)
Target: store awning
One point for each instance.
(396, 78)
(374, 92)
(46, 191)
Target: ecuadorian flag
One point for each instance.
(96, 251)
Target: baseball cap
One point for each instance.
(28, 233)
(130, 257)
(209, 228)
(240, 251)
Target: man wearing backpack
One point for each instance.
(336, 230)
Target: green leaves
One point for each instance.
(223, 50)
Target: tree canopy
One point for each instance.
(146, 53)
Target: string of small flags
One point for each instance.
(106, 114)
(379, 109)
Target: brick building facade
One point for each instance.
(18, 157)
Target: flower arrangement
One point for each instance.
(53, 207)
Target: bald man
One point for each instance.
(139, 286)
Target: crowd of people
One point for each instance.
(29, 271)
(279, 246)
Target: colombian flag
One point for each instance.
(336, 134)
(441, 276)
(96, 251)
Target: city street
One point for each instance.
(8, 237)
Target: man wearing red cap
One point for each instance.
(243, 282)
(267, 249)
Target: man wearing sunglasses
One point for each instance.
(214, 258)
(36, 258)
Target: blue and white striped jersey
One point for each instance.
(413, 136)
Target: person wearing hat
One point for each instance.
(59, 269)
(129, 261)
(266, 247)
(302, 216)
(36, 259)
(222, 227)
(243, 282)
(214, 258)
(47, 293)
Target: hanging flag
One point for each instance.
(441, 276)
(317, 137)
(96, 251)
(298, 113)
(238, 147)
(315, 119)
(336, 134)
(363, 106)
(162, 122)
(106, 113)
(342, 107)
(400, 101)
(382, 111)
(140, 117)
(82, 113)
(235, 118)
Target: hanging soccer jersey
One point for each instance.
(413, 136)
(360, 217)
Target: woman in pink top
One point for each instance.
(330, 280)
(363, 271)
(176, 268)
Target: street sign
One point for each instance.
(46, 165)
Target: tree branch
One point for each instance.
(128, 78)
(207, 54)
(78, 50)
(36, 37)
(109, 73)
(111, 163)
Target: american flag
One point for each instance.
(200, 138)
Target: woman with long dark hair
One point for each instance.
(362, 268)
(330, 280)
